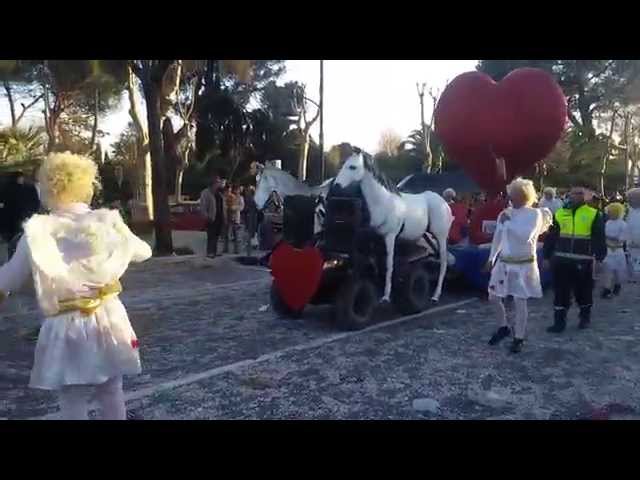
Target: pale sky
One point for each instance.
(362, 98)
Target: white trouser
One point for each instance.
(519, 324)
(75, 399)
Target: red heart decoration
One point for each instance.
(519, 119)
(296, 274)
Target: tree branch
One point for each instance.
(27, 107)
(576, 123)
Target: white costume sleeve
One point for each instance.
(546, 220)
(496, 243)
(140, 250)
(15, 273)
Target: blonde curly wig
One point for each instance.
(526, 187)
(67, 178)
(615, 210)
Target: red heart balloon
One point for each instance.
(518, 120)
(296, 274)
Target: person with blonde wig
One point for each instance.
(76, 257)
(615, 263)
(513, 260)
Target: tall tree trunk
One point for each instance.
(303, 155)
(605, 157)
(161, 212)
(627, 151)
(94, 129)
(178, 190)
(12, 105)
(143, 147)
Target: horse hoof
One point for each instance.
(434, 301)
(385, 300)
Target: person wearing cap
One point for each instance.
(549, 200)
(575, 239)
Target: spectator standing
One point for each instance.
(213, 207)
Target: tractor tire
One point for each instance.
(412, 294)
(355, 304)
(280, 307)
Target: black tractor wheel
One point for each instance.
(280, 307)
(355, 303)
(412, 294)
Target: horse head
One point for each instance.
(352, 171)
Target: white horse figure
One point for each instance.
(271, 179)
(395, 214)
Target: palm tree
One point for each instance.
(415, 146)
(21, 147)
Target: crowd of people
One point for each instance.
(583, 238)
(232, 216)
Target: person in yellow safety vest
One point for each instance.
(576, 238)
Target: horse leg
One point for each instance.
(443, 253)
(390, 243)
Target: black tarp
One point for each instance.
(419, 182)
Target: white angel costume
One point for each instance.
(514, 247)
(76, 257)
(515, 272)
(615, 263)
(633, 242)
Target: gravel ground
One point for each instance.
(211, 350)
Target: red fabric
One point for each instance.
(489, 211)
(296, 273)
(519, 119)
(460, 222)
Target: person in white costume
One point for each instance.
(76, 257)
(615, 263)
(633, 232)
(549, 200)
(513, 260)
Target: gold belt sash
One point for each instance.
(88, 305)
(614, 244)
(517, 260)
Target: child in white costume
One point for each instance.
(615, 263)
(515, 271)
(633, 229)
(76, 257)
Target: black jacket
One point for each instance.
(598, 238)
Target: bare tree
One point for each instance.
(607, 152)
(143, 155)
(426, 131)
(304, 127)
(389, 142)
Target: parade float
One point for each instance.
(357, 240)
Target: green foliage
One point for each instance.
(21, 148)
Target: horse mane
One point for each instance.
(371, 167)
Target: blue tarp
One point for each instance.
(471, 259)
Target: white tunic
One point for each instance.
(514, 240)
(68, 253)
(616, 260)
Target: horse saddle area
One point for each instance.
(346, 229)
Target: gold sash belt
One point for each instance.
(517, 260)
(88, 305)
